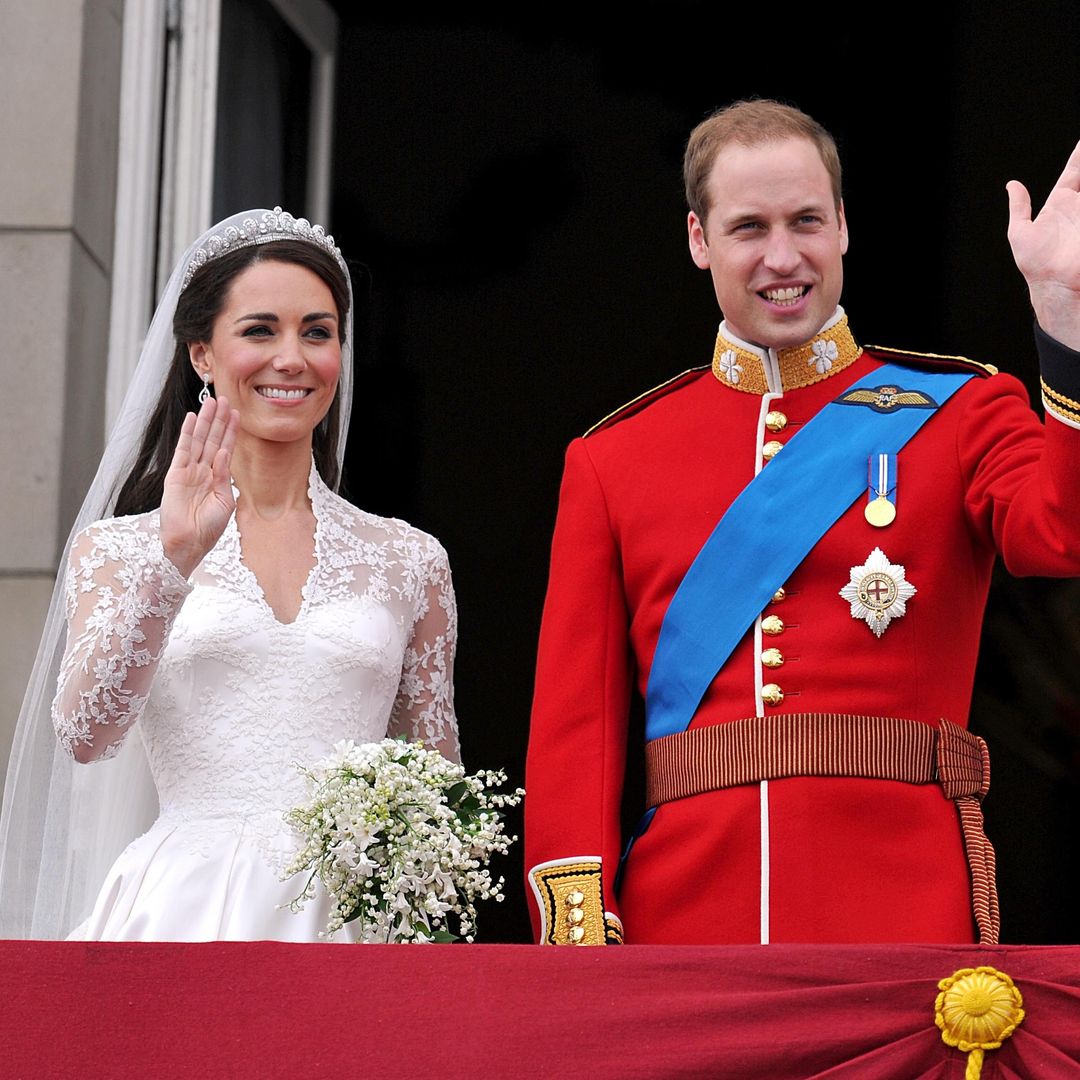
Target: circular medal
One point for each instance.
(880, 512)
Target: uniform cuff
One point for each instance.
(570, 896)
(1060, 368)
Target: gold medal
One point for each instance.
(880, 507)
(880, 512)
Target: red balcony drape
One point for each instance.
(264, 1009)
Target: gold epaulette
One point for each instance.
(931, 360)
(635, 405)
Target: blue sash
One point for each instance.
(807, 487)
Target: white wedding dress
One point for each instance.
(235, 701)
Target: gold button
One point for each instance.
(575, 898)
(778, 596)
(771, 449)
(772, 624)
(771, 694)
(775, 420)
(577, 933)
(772, 658)
(575, 915)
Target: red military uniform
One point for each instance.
(805, 858)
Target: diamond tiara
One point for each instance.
(276, 224)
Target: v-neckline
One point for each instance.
(254, 585)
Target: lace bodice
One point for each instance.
(228, 698)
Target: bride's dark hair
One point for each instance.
(198, 307)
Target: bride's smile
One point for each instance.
(275, 351)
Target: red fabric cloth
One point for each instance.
(848, 859)
(273, 1010)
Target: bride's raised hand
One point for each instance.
(197, 500)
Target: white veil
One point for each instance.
(63, 824)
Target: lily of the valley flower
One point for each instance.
(399, 838)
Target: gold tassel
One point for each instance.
(977, 1010)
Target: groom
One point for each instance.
(787, 553)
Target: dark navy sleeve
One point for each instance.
(1060, 368)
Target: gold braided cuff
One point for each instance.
(569, 894)
(1064, 408)
(613, 928)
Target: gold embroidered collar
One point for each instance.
(744, 368)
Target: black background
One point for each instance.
(508, 191)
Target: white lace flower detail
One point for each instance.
(878, 592)
(824, 353)
(730, 367)
(213, 678)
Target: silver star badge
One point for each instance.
(878, 592)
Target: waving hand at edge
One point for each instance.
(197, 500)
(1047, 251)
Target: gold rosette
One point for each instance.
(977, 1009)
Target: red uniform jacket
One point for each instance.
(806, 858)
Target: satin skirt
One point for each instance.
(168, 885)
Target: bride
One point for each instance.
(229, 621)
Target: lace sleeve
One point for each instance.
(424, 706)
(122, 595)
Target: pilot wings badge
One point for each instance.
(878, 592)
(887, 399)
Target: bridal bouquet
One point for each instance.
(400, 838)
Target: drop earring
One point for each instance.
(204, 393)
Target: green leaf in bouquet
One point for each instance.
(454, 792)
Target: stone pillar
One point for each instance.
(60, 80)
